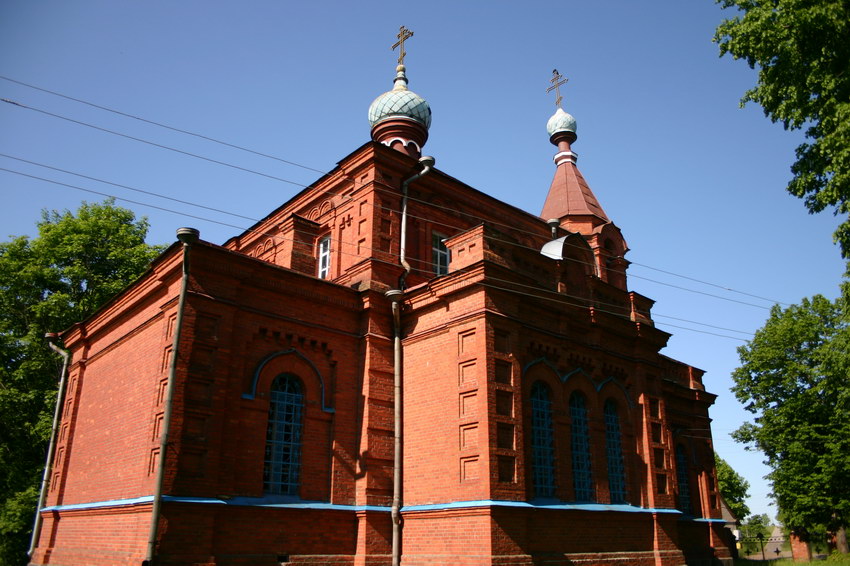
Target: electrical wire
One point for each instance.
(388, 209)
(622, 271)
(513, 228)
(129, 188)
(154, 144)
(558, 297)
(161, 125)
(708, 283)
(618, 315)
(597, 302)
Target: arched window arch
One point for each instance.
(542, 441)
(683, 503)
(282, 464)
(614, 453)
(580, 437)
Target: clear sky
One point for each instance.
(695, 183)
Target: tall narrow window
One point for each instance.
(282, 466)
(325, 257)
(582, 474)
(684, 501)
(614, 452)
(439, 254)
(542, 441)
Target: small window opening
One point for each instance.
(324, 249)
(439, 254)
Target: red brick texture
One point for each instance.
(474, 343)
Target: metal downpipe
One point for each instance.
(48, 464)
(427, 164)
(397, 296)
(188, 236)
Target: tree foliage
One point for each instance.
(794, 378)
(733, 487)
(802, 51)
(47, 283)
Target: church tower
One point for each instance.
(571, 204)
(400, 118)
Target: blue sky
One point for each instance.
(695, 183)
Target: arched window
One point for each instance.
(614, 452)
(542, 441)
(282, 466)
(684, 501)
(582, 474)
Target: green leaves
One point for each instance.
(794, 378)
(733, 487)
(801, 49)
(76, 264)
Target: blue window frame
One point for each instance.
(614, 452)
(282, 466)
(542, 441)
(582, 473)
(684, 500)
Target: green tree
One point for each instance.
(802, 51)
(733, 487)
(47, 283)
(793, 377)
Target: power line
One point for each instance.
(597, 302)
(190, 203)
(514, 228)
(159, 145)
(558, 297)
(602, 310)
(577, 246)
(700, 292)
(277, 237)
(129, 188)
(383, 208)
(161, 125)
(709, 283)
(92, 191)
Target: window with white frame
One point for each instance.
(324, 253)
(439, 254)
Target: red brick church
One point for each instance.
(391, 368)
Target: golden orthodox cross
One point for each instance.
(403, 34)
(557, 80)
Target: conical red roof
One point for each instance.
(570, 195)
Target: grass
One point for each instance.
(834, 560)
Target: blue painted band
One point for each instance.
(278, 502)
(595, 507)
(102, 504)
(290, 503)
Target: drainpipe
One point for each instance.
(188, 236)
(396, 297)
(48, 464)
(427, 164)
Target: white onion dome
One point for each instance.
(561, 122)
(400, 103)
